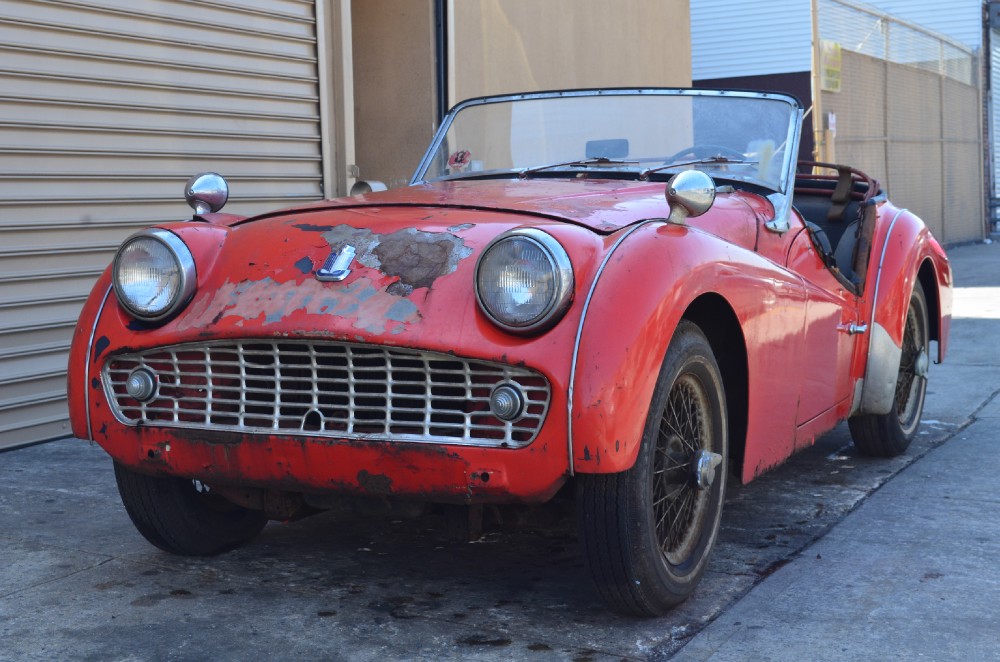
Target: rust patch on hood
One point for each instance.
(415, 257)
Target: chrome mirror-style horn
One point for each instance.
(363, 186)
(689, 193)
(206, 192)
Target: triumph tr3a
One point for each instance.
(625, 295)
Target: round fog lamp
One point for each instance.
(141, 384)
(507, 402)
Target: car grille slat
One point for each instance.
(329, 389)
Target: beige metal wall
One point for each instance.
(909, 114)
(500, 46)
(394, 86)
(105, 109)
(918, 133)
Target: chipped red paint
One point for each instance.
(411, 285)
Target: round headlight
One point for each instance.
(524, 281)
(154, 274)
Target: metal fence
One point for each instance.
(903, 104)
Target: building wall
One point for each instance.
(927, 156)
(738, 38)
(394, 86)
(501, 46)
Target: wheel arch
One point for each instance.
(910, 257)
(718, 321)
(927, 279)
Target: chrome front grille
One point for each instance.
(328, 389)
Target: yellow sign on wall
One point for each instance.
(830, 65)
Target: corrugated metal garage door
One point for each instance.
(106, 108)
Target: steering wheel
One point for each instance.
(704, 151)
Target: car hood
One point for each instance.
(603, 206)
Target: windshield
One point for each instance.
(742, 136)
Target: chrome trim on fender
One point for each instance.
(882, 365)
(579, 334)
(89, 359)
(881, 259)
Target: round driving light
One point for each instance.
(154, 274)
(141, 384)
(507, 402)
(524, 280)
(206, 192)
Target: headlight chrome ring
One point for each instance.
(524, 281)
(153, 274)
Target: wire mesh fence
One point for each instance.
(904, 105)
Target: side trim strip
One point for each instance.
(866, 386)
(579, 333)
(881, 259)
(89, 360)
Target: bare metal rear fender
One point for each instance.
(905, 256)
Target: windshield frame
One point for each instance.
(790, 156)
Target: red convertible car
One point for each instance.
(632, 292)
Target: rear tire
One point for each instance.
(183, 516)
(647, 533)
(889, 435)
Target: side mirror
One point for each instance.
(689, 193)
(206, 192)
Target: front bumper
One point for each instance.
(323, 416)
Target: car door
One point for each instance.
(831, 329)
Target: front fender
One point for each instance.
(906, 256)
(649, 283)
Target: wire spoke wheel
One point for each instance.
(912, 381)
(647, 533)
(888, 435)
(679, 504)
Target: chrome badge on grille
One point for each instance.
(337, 266)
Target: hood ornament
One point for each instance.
(337, 265)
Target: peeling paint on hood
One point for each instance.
(417, 258)
(267, 301)
(264, 279)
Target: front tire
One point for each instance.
(647, 533)
(183, 516)
(889, 435)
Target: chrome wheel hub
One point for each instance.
(921, 364)
(703, 465)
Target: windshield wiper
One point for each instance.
(711, 160)
(597, 161)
